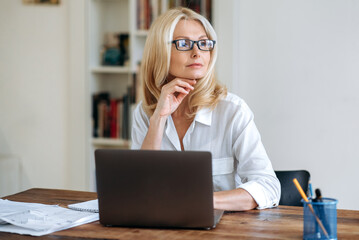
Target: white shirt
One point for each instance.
(239, 159)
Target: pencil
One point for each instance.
(296, 183)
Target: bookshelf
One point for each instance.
(108, 142)
(109, 21)
(109, 69)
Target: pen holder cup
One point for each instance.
(325, 216)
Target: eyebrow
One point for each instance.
(186, 37)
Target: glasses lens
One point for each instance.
(183, 44)
(206, 45)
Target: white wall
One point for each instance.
(33, 91)
(78, 102)
(298, 68)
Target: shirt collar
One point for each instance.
(204, 116)
(172, 133)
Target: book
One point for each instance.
(113, 119)
(88, 206)
(119, 117)
(112, 116)
(125, 119)
(96, 99)
(147, 11)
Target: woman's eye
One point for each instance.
(183, 43)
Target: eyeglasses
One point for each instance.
(187, 45)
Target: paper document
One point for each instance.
(89, 206)
(8, 207)
(39, 219)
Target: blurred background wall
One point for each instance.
(296, 63)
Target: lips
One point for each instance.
(195, 65)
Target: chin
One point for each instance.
(199, 76)
(190, 75)
(196, 76)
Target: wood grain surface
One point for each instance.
(283, 222)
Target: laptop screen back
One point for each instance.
(154, 188)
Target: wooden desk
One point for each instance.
(282, 222)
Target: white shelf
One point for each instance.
(111, 142)
(141, 33)
(110, 69)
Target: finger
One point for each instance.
(184, 84)
(180, 90)
(180, 97)
(189, 81)
(193, 81)
(176, 88)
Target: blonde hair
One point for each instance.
(156, 63)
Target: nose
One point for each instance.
(195, 51)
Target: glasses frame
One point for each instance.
(192, 44)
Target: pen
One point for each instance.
(318, 195)
(300, 190)
(311, 190)
(318, 198)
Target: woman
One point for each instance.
(184, 108)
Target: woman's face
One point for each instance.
(192, 64)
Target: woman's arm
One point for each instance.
(256, 185)
(254, 167)
(154, 134)
(234, 200)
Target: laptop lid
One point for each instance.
(144, 188)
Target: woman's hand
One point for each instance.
(172, 94)
(234, 200)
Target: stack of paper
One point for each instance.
(39, 219)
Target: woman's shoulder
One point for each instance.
(233, 106)
(233, 100)
(233, 103)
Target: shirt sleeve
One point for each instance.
(254, 168)
(139, 127)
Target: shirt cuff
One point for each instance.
(259, 195)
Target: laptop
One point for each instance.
(160, 189)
